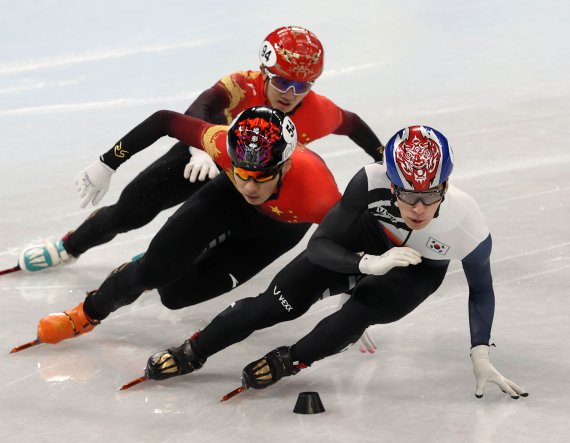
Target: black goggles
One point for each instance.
(426, 197)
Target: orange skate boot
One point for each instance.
(62, 325)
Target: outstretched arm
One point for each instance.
(185, 128)
(93, 182)
(477, 269)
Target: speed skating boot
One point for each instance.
(62, 325)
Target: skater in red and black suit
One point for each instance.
(270, 193)
(292, 58)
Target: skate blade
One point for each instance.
(10, 270)
(136, 381)
(25, 346)
(234, 393)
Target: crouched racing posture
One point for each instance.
(271, 192)
(291, 60)
(388, 241)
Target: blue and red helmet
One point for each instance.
(261, 139)
(418, 158)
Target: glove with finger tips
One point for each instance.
(486, 372)
(381, 264)
(200, 166)
(93, 182)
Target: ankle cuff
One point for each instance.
(92, 314)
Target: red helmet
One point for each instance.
(294, 53)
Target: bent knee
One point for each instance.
(172, 300)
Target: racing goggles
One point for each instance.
(258, 176)
(426, 197)
(282, 84)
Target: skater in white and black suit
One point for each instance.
(389, 241)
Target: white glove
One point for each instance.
(366, 342)
(93, 182)
(380, 264)
(486, 372)
(200, 166)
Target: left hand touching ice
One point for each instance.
(486, 372)
(200, 166)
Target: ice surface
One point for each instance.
(493, 76)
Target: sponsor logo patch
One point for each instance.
(119, 151)
(282, 299)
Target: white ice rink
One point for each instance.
(492, 75)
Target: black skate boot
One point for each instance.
(174, 361)
(269, 369)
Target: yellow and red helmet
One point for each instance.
(294, 53)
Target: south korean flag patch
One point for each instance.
(437, 246)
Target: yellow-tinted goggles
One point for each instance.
(258, 176)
